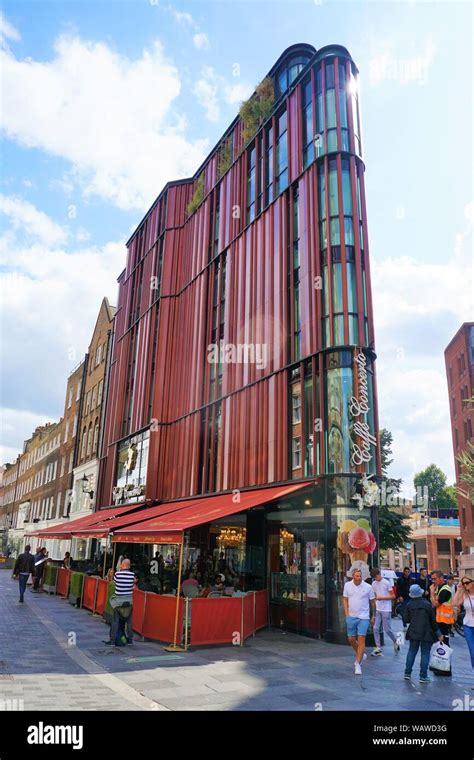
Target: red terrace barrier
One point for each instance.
(248, 626)
(138, 612)
(88, 592)
(261, 609)
(101, 601)
(62, 587)
(158, 621)
(216, 620)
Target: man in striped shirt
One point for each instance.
(124, 580)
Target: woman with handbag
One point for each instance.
(465, 597)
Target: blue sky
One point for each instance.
(103, 102)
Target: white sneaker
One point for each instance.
(377, 652)
(357, 669)
(364, 657)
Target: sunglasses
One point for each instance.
(467, 583)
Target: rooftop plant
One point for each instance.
(257, 109)
(198, 195)
(224, 157)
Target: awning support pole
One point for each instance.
(113, 558)
(105, 559)
(175, 647)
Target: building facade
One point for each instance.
(459, 358)
(86, 463)
(244, 346)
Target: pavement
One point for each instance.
(52, 658)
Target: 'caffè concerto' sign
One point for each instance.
(358, 409)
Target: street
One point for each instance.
(52, 658)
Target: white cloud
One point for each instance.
(17, 426)
(201, 41)
(24, 216)
(211, 89)
(50, 297)
(417, 310)
(8, 30)
(111, 117)
(182, 17)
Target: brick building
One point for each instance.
(459, 358)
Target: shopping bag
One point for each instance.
(440, 659)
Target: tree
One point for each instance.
(439, 495)
(393, 532)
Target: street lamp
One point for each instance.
(86, 488)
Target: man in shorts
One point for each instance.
(358, 599)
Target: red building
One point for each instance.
(459, 358)
(243, 350)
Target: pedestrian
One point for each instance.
(24, 567)
(441, 596)
(424, 583)
(383, 605)
(403, 588)
(451, 583)
(358, 599)
(40, 560)
(465, 597)
(121, 603)
(422, 632)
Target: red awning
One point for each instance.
(168, 529)
(104, 527)
(69, 528)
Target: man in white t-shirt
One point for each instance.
(358, 599)
(384, 596)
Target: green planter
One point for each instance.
(108, 612)
(75, 588)
(50, 577)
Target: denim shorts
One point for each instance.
(357, 626)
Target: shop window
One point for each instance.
(132, 463)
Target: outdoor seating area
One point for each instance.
(199, 621)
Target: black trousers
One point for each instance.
(445, 629)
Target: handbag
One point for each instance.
(440, 659)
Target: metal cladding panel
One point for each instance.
(294, 132)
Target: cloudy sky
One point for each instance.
(103, 102)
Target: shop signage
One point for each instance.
(130, 491)
(358, 408)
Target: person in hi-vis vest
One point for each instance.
(442, 600)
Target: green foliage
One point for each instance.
(393, 532)
(224, 157)
(257, 109)
(50, 575)
(198, 196)
(434, 479)
(447, 498)
(75, 584)
(386, 440)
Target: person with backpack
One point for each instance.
(419, 616)
(24, 566)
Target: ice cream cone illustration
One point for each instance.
(358, 554)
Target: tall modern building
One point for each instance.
(459, 358)
(243, 354)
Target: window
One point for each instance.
(69, 400)
(268, 166)
(71, 461)
(132, 463)
(217, 327)
(309, 432)
(251, 183)
(74, 429)
(84, 443)
(94, 396)
(296, 403)
(320, 122)
(66, 431)
(79, 386)
(296, 263)
(99, 393)
(342, 89)
(96, 436)
(331, 108)
(89, 440)
(353, 86)
(260, 173)
(339, 390)
(289, 72)
(308, 138)
(88, 402)
(63, 464)
(296, 453)
(281, 152)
